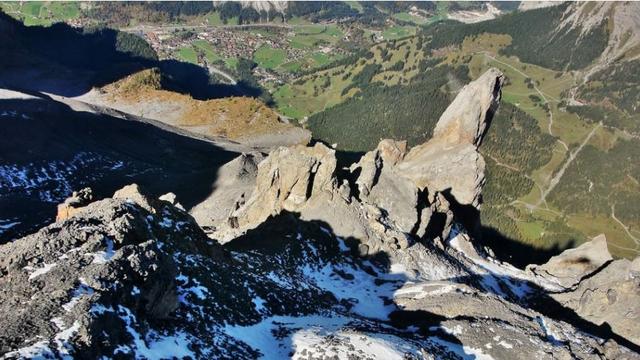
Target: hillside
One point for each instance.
(377, 261)
(243, 119)
(51, 148)
(573, 112)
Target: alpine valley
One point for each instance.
(319, 180)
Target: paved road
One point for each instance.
(215, 70)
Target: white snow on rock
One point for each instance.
(313, 343)
(51, 180)
(102, 256)
(82, 290)
(7, 224)
(39, 271)
(358, 287)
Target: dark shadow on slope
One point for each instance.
(282, 240)
(277, 231)
(195, 81)
(516, 252)
(96, 56)
(56, 150)
(69, 61)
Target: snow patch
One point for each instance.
(258, 303)
(40, 271)
(82, 290)
(368, 296)
(101, 257)
(154, 345)
(6, 225)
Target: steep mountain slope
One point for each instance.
(131, 276)
(243, 119)
(549, 185)
(50, 149)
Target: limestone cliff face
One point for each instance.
(304, 259)
(388, 199)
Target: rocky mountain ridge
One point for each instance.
(307, 258)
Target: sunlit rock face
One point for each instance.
(303, 259)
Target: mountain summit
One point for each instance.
(309, 258)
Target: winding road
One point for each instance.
(625, 227)
(215, 70)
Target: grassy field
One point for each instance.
(41, 13)
(214, 18)
(188, 54)
(308, 95)
(309, 36)
(232, 63)
(398, 32)
(206, 48)
(300, 100)
(410, 18)
(268, 57)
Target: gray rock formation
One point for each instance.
(397, 191)
(596, 287)
(610, 295)
(233, 186)
(572, 265)
(118, 280)
(450, 160)
(305, 260)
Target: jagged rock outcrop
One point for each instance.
(393, 191)
(74, 203)
(287, 179)
(59, 285)
(596, 287)
(610, 295)
(572, 265)
(117, 280)
(450, 160)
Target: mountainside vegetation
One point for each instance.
(398, 111)
(538, 150)
(537, 37)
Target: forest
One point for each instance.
(534, 37)
(598, 180)
(378, 111)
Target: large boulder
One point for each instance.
(233, 186)
(572, 265)
(596, 287)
